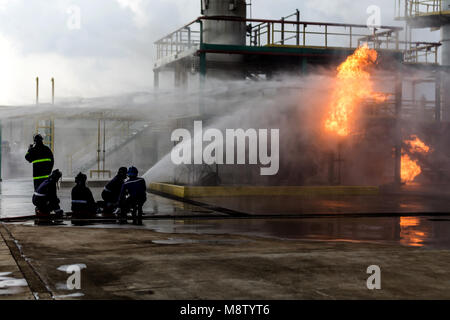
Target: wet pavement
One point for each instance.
(323, 244)
(315, 205)
(15, 201)
(409, 220)
(143, 264)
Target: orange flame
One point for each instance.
(416, 145)
(410, 169)
(353, 85)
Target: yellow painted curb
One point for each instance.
(230, 191)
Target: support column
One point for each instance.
(202, 76)
(305, 66)
(438, 97)
(156, 79)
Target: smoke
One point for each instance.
(294, 105)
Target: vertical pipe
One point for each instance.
(351, 37)
(304, 35)
(273, 33)
(298, 27)
(282, 32)
(98, 147)
(37, 90)
(53, 91)
(104, 147)
(52, 120)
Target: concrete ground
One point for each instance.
(178, 255)
(142, 264)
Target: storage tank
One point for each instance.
(224, 32)
(224, 66)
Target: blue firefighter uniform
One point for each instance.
(45, 198)
(42, 159)
(111, 192)
(133, 194)
(83, 203)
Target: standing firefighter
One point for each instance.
(133, 196)
(83, 203)
(42, 159)
(45, 198)
(111, 192)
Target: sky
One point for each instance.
(105, 47)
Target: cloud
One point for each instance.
(113, 50)
(137, 7)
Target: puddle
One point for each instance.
(10, 285)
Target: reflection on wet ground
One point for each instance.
(423, 230)
(410, 231)
(291, 205)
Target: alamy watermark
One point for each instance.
(374, 281)
(374, 19)
(74, 17)
(74, 280)
(229, 147)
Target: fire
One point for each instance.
(353, 85)
(410, 169)
(416, 145)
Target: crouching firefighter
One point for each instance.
(83, 203)
(132, 197)
(111, 192)
(45, 198)
(42, 159)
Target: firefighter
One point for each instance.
(42, 159)
(111, 192)
(83, 203)
(132, 196)
(45, 198)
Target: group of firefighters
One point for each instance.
(124, 193)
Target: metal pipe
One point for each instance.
(104, 146)
(53, 91)
(37, 90)
(98, 148)
(298, 27)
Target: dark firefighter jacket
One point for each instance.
(42, 159)
(45, 195)
(135, 189)
(82, 199)
(111, 192)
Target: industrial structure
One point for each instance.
(225, 44)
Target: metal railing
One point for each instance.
(296, 33)
(282, 32)
(414, 8)
(185, 38)
(422, 52)
(316, 34)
